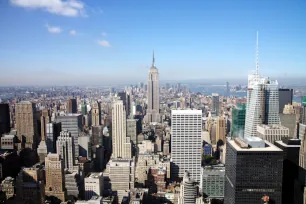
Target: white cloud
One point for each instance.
(70, 8)
(72, 32)
(53, 29)
(104, 43)
(104, 34)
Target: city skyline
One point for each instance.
(94, 41)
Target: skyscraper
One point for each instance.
(262, 102)
(73, 124)
(238, 120)
(26, 122)
(152, 114)
(121, 143)
(65, 148)
(285, 98)
(186, 131)
(71, 106)
(220, 129)
(96, 114)
(94, 185)
(55, 177)
(254, 168)
(4, 118)
(42, 150)
(215, 103)
(189, 190)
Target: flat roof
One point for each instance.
(279, 127)
(269, 147)
(186, 112)
(286, 145)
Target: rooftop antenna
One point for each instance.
(153, 62)
(257, 65)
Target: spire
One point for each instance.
(153, 61)
(257, 65)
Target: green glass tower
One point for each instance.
(238, 120)
(84, 109)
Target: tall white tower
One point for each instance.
(153, 94)
(65, 148)
(262, 101)
(186, 131)
(121, 144)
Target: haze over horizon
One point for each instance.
(92, 42)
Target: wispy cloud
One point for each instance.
(73, 32)
(53, 29)
(104, 43)
(104, 34)
(70, 8)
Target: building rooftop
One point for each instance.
(287, 145)
(24, 102)
(95, 175)
(268, 146)
(280, 127)
(186, 112)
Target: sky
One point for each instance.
(70, 42)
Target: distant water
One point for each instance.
(208, 91)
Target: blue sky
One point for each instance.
(72, 42)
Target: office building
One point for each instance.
(156, 180)
(131, 130)
(5, 125)
(238, 120)
(93, 185)
(26, 124)
(98, 157)
(152, 114)
(42, 150)
(8, 187)
(215, 103)
(71, 106)
(52, 132)
(166, 149)
(285, 97)
(9, 142)
(93, 200)
(73, 183)
(97, 135)
(254, 168)
(84, 109)
(272, 133)
(291, 149)
(85, 146)
(186, 144)
(55, 177)
(213, 181)
(96, 114)
(121, 174)
(144, 162)
(189, 190)
(73, 124)
(121, 144)
(220, 129)
(30, 185)
(65, 148)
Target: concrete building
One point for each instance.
(146, 146)
(152, 114)
(121, 174)
(291, 192)
(143, 163)
(26, 124)
(93, 200)
(9, 142)
(8, 187)
(220, 129)
(71, 106)
(52, 132)
(55, 177)
(97, 135)
(189, 190)
(73, 124)
(73, 183)
(121, 143)
(85, 146)
(93, 185)
(166, 150)
(5, 125)
(272, 133)
(42, 150)
(213, 181)
(255, 169)
(30, 185)
(96, 114)
(285, 97)
(65, 148)
(156, 181)
(186, 144)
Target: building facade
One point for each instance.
(186, 144)
(71, 106)
(285, 97)
(93, 185)
(96, 114)
(5, 125)
(213, 181)
(272, 133)
(152, 114)
(254, 168)
(65, 148)
(238, 120)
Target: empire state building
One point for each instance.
(153, 94)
